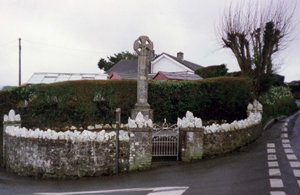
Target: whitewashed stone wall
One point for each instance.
(69, 154)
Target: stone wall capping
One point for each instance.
(192, 129)
(146, 129)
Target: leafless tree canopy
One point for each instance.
(254, 32)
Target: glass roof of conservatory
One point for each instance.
(42, 77)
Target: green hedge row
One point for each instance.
(211, 99)
(276, 102)
(83, 103)
(295, 88)
(212, 71)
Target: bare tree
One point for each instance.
(254, 32)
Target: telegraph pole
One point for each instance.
(20, 61)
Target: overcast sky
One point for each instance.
(70, 36)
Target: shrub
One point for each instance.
(76, 102)
(277, 101)
(295, 88)
(82, 103)
(235, 74)
(211, 99)
(212, 71)
(269, 80)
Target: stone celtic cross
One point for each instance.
(143, 46)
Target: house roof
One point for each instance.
(120, 76)
(186, 63)
(179, 75)
(127, 69)
(46, 77)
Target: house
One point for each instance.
(127, 69)
(124, 69)
(43, 77)
(168, 63)
(176, 76)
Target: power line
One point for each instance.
(4, 44)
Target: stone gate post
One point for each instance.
(140, 142)
(140, 146)
(191, 143)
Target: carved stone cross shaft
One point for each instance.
(143, 47)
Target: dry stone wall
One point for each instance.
(73, 154)
(49, 158)
(226, 141)
(69, 154)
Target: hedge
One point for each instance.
(276, 102)
(212, 71)
(211, 99)
(295, 88)
(82, 103)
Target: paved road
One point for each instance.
(268, 166)
(298, 103)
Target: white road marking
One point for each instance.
(174, 190)
(274, 172)
(296, 173)
(285, 141)
(288, 150)
(270, 145)
(272, 157)
(291, 156)
(284, 129)
(286, 145)
(272, 164)
(271, 150)
(294, 164)
(276, 183)
(161, 191)
(284, 135)
(277, 193)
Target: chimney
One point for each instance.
(180, 55)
